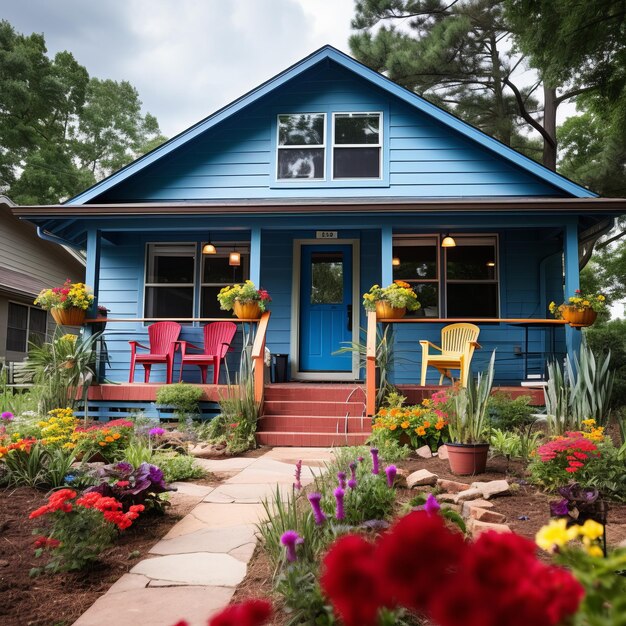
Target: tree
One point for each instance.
(459, 54)
(60, 131)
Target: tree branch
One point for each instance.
(573, 92)
(604, 244)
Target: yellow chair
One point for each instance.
(458, 342)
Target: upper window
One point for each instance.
(356, 145)
(356, 152)
(25, 325)
(301, 146)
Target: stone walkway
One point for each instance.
(194, 570)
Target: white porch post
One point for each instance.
(255, 256)
(386, 255)
(573, 336)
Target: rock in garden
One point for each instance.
(206, 451)
(401, 479)
(443, 452)
(481, 504)
(451, 486)
(477, 527)
(468, 494)
(485, 515)
(492, 488)
(446, 498)
(424, 452)
(420, 478)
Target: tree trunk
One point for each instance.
(549, 125)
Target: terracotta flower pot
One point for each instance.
(247, 310)
(467, 459)
(385, 311)
(578, 318)
(68, 317)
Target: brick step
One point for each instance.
(310, 440)
(308, 423)
(329, 393)
(301, 407)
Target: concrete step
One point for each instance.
(310, 440)
(308, 423)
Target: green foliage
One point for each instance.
(177, 467)
(445, 511)
(137, 451)
(41, 467)
(510, 413)
(184, 398)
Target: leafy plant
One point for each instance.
(245, 294)
(177, 467)
(67, 296)
(399, 295)
(510, 413)
(184, 398)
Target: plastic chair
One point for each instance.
(217, 339)
(458, 342)
(162, 337)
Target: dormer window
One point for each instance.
(356, 145)
(301, 147)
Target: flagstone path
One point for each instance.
(194, 570)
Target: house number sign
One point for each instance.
(325, 234)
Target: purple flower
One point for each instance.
(339, 512)
(314, 499)
(290, 539)
(353, 470)
(156, 432)
(352, 483)
(298, 485)
(7, 416)
(431, 505)
(560, 508)
(360, 459)
(391, 472)
(341, 477)
(374, 453)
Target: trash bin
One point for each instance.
(279, 368)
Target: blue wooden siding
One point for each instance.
(423, 158)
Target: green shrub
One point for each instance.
(184, 399)
(510, 414)
(177, 467)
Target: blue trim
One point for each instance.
(255, 255)
(386, 255)
(573, 336)
(330, 53)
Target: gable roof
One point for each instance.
(325, 53)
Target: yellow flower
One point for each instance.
(555, 535)
(420, 430)
(405, 425)
(591, 530)
(589, 422)
(601, 298)
(595, 550)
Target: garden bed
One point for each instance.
(60, 599)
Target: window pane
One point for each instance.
(472, 300)
(16, 340)
(357, 128)
(306, 129)
(428, 297)
(301, 163)
(326, 278)
(209, 306)
(217, 270)
(18, 316)
(36, 338)
(416, 261)
(38, 321)
(171, 302)
(356, 163)
(471, 262)
(171, 269)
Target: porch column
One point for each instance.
(92, 271)
(573, 336)
(255, 256)
(386, 255)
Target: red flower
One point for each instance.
(249, 613)
(352, 580)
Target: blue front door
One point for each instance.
(325, 307)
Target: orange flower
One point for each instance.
(102, 443)
(405, 424)
(439, 425)
(420, 430)
(394, 412)
(393, 427)
(116, 436)
(109, 439)
(426, 424)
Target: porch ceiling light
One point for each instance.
(234, 258)
(395, 261)
(209, 248)
(491, 263)
(448, 241)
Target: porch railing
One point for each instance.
(258, 347)
(371, 347)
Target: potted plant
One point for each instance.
(246, 301)
(581, 309)
(392, 301)
(67, 304)
(468, 425)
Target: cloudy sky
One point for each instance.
(186, 58)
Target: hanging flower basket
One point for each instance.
(247, 310)
(68, 317)
(384, 310)
(579, 318)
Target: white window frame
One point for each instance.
(322, 146)
(379, 145)
(28, 324)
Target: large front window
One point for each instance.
(357, 145)
(458, 282)
(25, 325)
(173, 291)
(301, 152)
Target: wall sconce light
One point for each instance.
(448, 241)
(209, 248)
(395, 261)
(491, 263)
(234, 258)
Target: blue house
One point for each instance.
(327, 179)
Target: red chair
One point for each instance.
(163, 337)
(217, 339)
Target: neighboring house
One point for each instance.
(329, 178)
(28, 264)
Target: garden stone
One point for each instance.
(424, 452)
(476, 527)
(492, 488)
(468, 494)
(451, 486)
(480, 504)
(401, 479)
(485, 515)
(443, 452)
(420, 478)
(446, 497)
